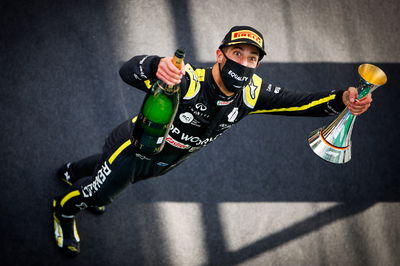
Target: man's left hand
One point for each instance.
(356, 107)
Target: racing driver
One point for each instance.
(212, 100)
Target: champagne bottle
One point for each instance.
(157, 113)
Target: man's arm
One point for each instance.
(140, 70)
(275, 100)
(281, 101)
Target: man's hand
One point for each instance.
(168, 72)
(355, 106)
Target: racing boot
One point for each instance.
(66, 234)
(64, 174)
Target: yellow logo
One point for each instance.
(247, 34)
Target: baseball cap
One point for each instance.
(244, 34)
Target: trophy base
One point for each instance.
(326, 150)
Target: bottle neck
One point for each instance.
(170, 89)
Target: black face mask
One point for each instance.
(235, 76)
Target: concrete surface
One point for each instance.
(257, 196)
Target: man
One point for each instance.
(212, 100)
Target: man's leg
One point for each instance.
(113, 174)
(73, 171)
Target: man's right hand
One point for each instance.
(168, 72)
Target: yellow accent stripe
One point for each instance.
(57, 230)
(76, 234)
(194, 85)
(69, 196)
(118, 151)
(134, 119)
(301, 108)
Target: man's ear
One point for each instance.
(219, 56)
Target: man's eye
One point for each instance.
(236, 53)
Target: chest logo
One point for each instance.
(201, 107)
(186, 117)
(223, 103)
(253, 89)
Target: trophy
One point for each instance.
(333, 142)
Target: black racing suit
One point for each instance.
(203, 115)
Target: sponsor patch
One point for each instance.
(223, 103)
(182, 136)
(177, 144)
(198, 113)
(101, 176)
(236, 76)
(253, 89)
(195, 123)
(247, 34)
(201, 106)
(186, 117)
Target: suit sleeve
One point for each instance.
(281, 101)
(140, 72)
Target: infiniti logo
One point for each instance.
(201, 107)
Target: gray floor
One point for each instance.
(258, 195)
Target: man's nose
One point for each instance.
(243, 62)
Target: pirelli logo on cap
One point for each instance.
(247, 34)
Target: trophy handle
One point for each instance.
(333, 142)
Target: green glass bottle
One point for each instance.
(157, 113)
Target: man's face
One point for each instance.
(244, 54)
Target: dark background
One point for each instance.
(60, 95)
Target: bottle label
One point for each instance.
(160, 140)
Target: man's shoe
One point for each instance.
(65, 175)
(66, 234)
